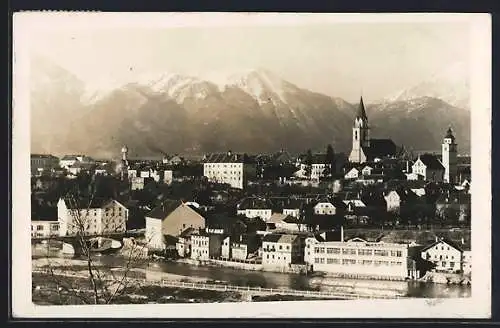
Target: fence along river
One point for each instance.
(299, 282)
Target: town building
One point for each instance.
(444, 254)
(91, 217)
(352, 174)
(171, 218)
(397, 199)
(285, 222)
(359, 258)
(244, 246)
(429, 168)
(206, 246)
(280, 251)
(69, 160)
(228, 168)
(42, 162)
(183, 244)
(253, 207)
(449, 157)
(44, 229)
(364, 148)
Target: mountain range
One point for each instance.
(251, 111)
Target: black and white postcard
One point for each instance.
(251, 165)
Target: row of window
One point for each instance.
(200, 242)
(322, 260)
(39, 227)
(441, 257)
(223, 165)
(353, 251)
(443, 264)
(278, 257)
(273, 249)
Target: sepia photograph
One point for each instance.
(274, 164)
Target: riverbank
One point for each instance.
(446, 278)
(48, 291)
(153, 271)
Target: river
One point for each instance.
(302, 282)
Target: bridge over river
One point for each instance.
(75, 242)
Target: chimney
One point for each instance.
(436, 238)
(342, 233)
(463, 241)
(229, 153)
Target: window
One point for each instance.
(287, 247)
(452, 264)
(365, 252)
(443, 264)
(316, 260)
(379, 252)
(39, 227)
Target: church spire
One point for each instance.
(449, 134)
(361, 110)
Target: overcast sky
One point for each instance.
(341, 59)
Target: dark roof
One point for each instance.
(163, 210)
(281, 203)
(255, 203)
(244, 238)
(44, 213)
(43, 156)
(83, 165)
(449, 242)
(69, 158)
(84, 203)
(272, 238)
(187, 232)
(222, 221)
(431, 161)
(224, 158)
(291, 219)
(380, 148)
(361, 110)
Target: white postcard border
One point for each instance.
(478, 306)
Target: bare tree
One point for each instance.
(103, 285)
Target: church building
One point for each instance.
(365, 149)
(449, 157)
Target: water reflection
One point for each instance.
(279, 280)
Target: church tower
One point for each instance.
(124, 162)
(449, 157)
(360, 135)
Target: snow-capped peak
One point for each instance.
(450, 84)
(261, 84)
